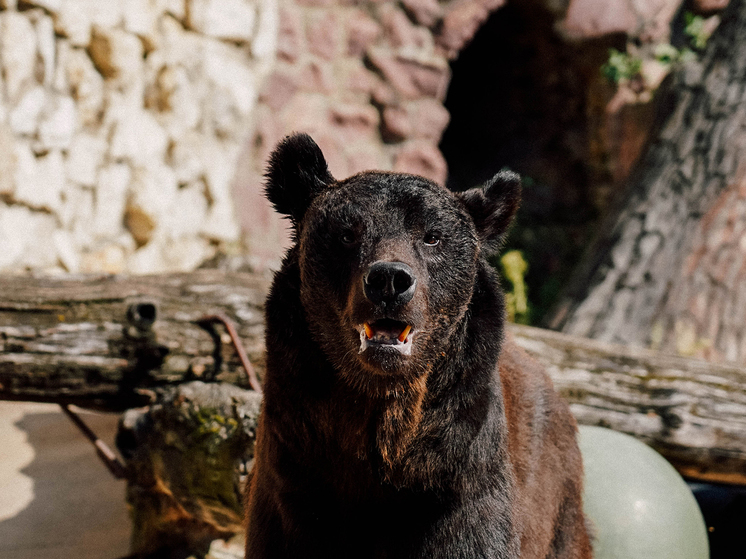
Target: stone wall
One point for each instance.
(134, 133)
(367, 80)
(121, 123)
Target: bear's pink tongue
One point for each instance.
(387, 330)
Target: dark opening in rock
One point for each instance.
(522, 97)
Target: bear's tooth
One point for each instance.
(368, 330)
(404, 333)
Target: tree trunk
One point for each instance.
(107, 342)
(669, 270)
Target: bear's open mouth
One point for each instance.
(387, 332)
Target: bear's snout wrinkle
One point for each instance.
(389, 283)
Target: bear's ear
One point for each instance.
(296, 174)
(493, 206)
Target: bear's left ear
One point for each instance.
(296, 174)
(493, 206)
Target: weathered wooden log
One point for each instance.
(692, 412)
(108, 342)
(188, 457)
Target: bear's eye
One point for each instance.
(432, 239)
(348, 238)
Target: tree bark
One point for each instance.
(669, 269)
(107, 342)
(112, 342)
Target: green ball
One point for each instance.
(638, 504)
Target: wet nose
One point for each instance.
(389, 282)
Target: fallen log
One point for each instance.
(110, 342)
(691, 411)
(106, 342)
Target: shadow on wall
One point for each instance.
(78, 508)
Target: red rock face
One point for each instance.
(369, 77)
(709, 6)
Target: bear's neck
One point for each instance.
(446, 401)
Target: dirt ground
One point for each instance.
(57, 500)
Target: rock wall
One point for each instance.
(121, 123)
(367, 80)
(134, 133)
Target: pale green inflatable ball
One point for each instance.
(638, 504)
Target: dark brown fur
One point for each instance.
(459, 449)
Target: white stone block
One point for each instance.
(17, 52)
(221, 223)
(85, 82)
(264, 45)
(76, 212)
(75, 18)
(137, 136)
(39, 180)
(220, 162)
(176, 8)
(141, 16)
(14, 221)
(21, 230)
(153, 192)
(74, 22)
(111, 196)
(84, 157)
(24, 118)
(185, 254)
(187, 212)
(147, 260)
(105, 258)
(227, 68)
(185, 157)
(58, 123)
(164, 255)
(231, 20)
(176, 46)
(175, 99)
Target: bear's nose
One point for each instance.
(389, 282)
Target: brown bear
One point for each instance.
(397, 422)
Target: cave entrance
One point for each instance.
(518, 98)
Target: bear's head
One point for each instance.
(388, 262)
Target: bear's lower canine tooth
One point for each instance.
(405, 333)
(368, 330)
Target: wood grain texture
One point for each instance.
(691, 411)
(75, 340)
(72, 341)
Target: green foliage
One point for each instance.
(514, 268)
(621, 66)
(697, 30)
(667, 54)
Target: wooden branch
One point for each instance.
(108, 342)
(692, 412)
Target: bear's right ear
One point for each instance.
(492, 207)
(296, 174)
